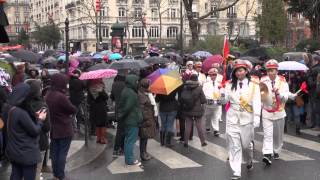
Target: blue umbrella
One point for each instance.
(62, 58)
(115, 56)
(106, 52)
(202, 54)
(98, 56)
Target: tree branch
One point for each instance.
(217, 10)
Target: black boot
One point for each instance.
(162, 137)
(169, 136)
(298, 130)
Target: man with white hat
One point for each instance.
(273, 112)
(212, 89)
(243, 93)
(189, 71)
(201, 77)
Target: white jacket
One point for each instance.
(250, 92)
(212, 92)
(284, 93)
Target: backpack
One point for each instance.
(187, 100)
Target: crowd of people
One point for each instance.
(40, 112)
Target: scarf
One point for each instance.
(153, 102)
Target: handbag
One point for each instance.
(1, 123)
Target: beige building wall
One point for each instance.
(238, 21)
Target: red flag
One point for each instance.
(225, 56)
(303, 87)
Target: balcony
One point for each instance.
(231, 15)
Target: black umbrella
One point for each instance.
(49, 53)
(3, 22)
(98, 66)
(49, 60)
(174, 57)
(156, 60)
(253, 60)
(260, 52)
(9, 58)
(128, 64)
(26, 55)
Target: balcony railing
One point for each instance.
(70, 5)
(231, 15)
(122, 1)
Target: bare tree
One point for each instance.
(194, 22)
(249, 8)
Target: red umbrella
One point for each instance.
(207, 64)
(98, 74)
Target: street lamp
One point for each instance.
(67, 44)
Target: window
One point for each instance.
(173, 13)
(137, 2)
(154, 32)
(289, 16)
(122, 12)
(244, 30)
(195, 14)
(17, 29)
(215, 14)
(137, 12)
(104, 11)
(213, 28)
(231, 12)
(154, 14)
(230, 27)
(105, 31)
(79, 33)
(172, 32)
(137, 31)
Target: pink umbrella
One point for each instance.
(207, 64)
(98, 74)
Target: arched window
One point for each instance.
(213, 28)
(244, 30)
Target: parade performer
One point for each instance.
(213, 108)
(273, 112)
(201, 77)
(243, 93)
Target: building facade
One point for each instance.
(142, 21)
(18, 13)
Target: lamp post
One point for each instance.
(67, 44)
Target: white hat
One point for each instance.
(213, 71)
(271, 64)
(189, 63)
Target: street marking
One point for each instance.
(167, 156)
(305, 143)
(118, 167)
(285, 154)
(310, 132)
(75, 147)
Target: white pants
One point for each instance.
(272, 135)
(212, 115)
(240, 147)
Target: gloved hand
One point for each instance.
(256, 121)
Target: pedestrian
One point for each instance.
(189, 71)
(131, 116)
(313, 96)
(61, 133)
(243, 93)
(23, 127)
(116, 90)
(33, 73)
(45, 78)
(273, 112)
(36, 103)
(192, 100)
(201, 77)
(97, 100)
(19, 75)
(149, 112)
(168, 107)
(213, 107)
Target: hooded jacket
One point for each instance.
(199, 97)
(129, 110)
(60, 107)
(37, 102)
(22, 131)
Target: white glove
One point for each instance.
(292, 95)
(256, 121)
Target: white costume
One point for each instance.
(242, 116)
(213, 109)
(273, 116)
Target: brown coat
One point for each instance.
(148, 125)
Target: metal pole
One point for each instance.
(67, 44)
(181, 28)
(100, 36)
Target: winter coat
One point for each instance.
(116, 90)
(76, 91)
(199, 97)
(61, 109)
(168, 103)
(22, 131)
(148, 125)
(36, 103)
(312, 79)
(129, 111)
(98, 109)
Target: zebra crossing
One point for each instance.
(175, 160)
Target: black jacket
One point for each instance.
(98, 109)
(76, 90)
(22, 131)
(199, 97)
(168, 103)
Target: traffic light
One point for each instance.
(98, 5)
